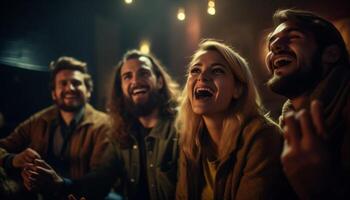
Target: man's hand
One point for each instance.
(41, 176)
(26, 156)
(305, 157)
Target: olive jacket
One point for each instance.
(122, 166)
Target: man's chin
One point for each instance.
(71, 108)
(289, 86)
(140, 100)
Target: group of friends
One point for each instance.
(212, 141)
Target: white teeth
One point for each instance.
(204, 89)
(138, 90)
(284, 58)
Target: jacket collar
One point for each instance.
(53, 112)
(161, 131)
(330, 91)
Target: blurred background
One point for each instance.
(35, 32)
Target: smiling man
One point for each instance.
(309, 65)
(143, 105)
(61, 142)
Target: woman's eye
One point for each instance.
(195, 71)
(218, 71)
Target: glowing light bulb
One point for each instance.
(181, 14)
(211, 11)
(128, 1)
(145, 46)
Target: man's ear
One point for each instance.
(160, 82)
(89, 94)
(331, 54)
(53, 95)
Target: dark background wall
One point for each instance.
(35, 32)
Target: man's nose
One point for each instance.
(279, 45)
(69, 87)
(135, 79)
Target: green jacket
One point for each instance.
(123, 166)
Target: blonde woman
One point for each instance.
(230, 150)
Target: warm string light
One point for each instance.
(181, 14)
(211, 7)
(128, 1)
(145, 46)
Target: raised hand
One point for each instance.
(305, 157)
(26, 156)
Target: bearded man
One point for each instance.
(309, 64)
(142, 162)
(62, 142)
(143, 105)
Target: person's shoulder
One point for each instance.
(96, 116)
(39, 118)
(263, 135)
(166, 127)
(47, 113)
(263, 126)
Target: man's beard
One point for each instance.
(145, 108)
(299, 82)
(70, 108)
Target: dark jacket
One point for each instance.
(334, 93)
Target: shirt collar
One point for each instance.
(76, 119)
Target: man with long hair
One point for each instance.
(142, 162)
(143, 105)
(61, 142)
(309, 65)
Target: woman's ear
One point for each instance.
(238, 91)
(331, 54)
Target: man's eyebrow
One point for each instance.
(125, 73)
(295, 29)
(271, 37)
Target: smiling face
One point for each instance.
(292, 60)
(210, 84)
(70, 92)
(140, 85)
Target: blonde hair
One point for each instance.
(246, 106)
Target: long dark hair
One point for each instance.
(122, 119)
